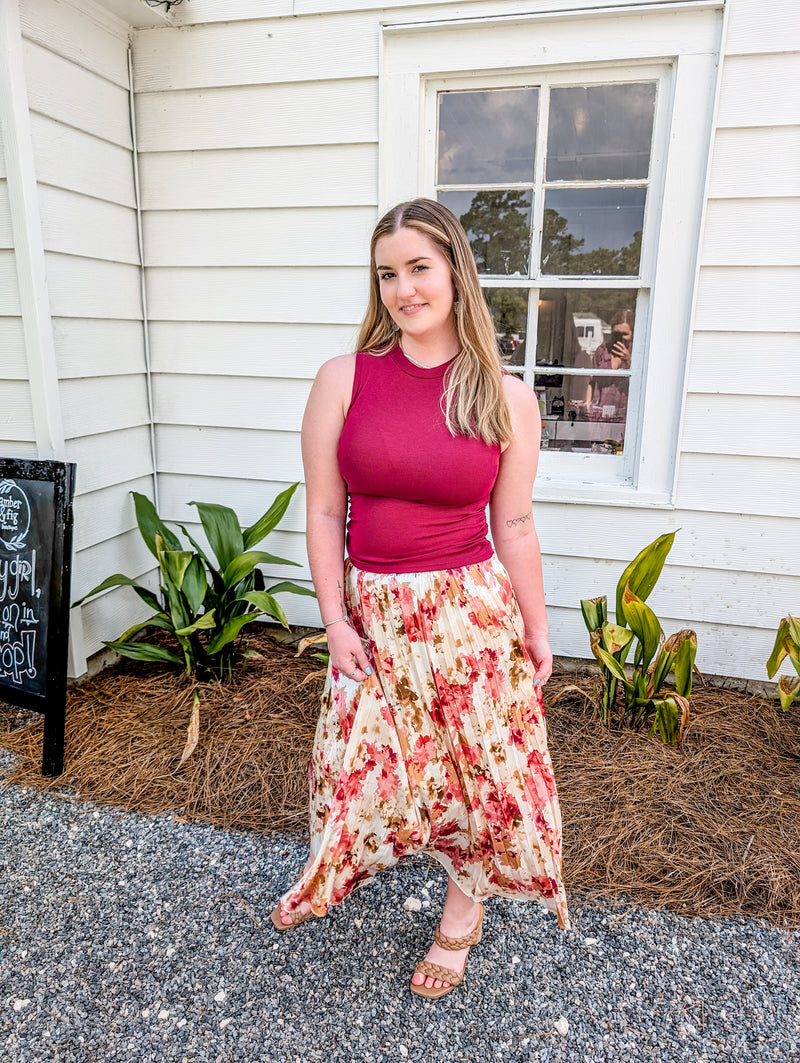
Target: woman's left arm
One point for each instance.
(511, 516)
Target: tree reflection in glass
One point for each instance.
(498, 223)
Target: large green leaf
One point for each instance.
(119, 580)
(294, 588)
(222, 530)
(662, 666)
(229, 632)
(174, 564)
(204, 623)
(594, 612)
(643, 622)
(195, 584)
(685, 653)
(266, 603)
(145, 651)
(794, 629)
(613, 637)
(244, 564)
(643, 572)
(788, 689)
(150, 525)
(161, 620)
(264, 525)
(611, 663)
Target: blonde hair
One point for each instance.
(474, 404)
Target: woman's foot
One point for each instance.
(461, 919)
(285, 921)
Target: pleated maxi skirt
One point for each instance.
(441, 751)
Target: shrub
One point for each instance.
(787, 644)
(648, 701)
(204, 604)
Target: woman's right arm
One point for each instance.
(326, 507)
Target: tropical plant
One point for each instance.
(202, 603)
(648, 701)
(787, 644)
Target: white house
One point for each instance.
(186, 197)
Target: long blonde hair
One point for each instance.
(473, 402)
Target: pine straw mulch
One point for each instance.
(711, 828)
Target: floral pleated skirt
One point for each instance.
(441, 751)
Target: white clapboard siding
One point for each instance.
(246, 348)
(74, 224)
(14, 448)
(93, 405)
(687, 594)
(752, 232)
(273, 405)
(739, 484)
(9, 292)
(100, 515)
(732, 541)
(114, 458)
(755, 162)
(85, 287)
(76, 97)
(258, 116)
(97, 347)
(756, 90)
(230, 452)
(314, 236)
(12, 349)
(250, 499)
(745, 363)
(87, 37)
(321, 175)
(762, 26)
(262, 294)
(252, 53)
(16, 412)
(70, 158)
(6, 236)
(125, 553)
(736, 298)
(106, 617)
(737, 424)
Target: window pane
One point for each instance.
(600, 133)
(487, 137)
(579, 334)
(498, 226)
(593, 230)
(509, 310)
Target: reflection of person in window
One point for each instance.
(609, 395)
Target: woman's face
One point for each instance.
(416, 285)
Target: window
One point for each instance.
(575, 147)
(551, 183)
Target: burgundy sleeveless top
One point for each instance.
(418, 495)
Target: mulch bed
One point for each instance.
(711, 828)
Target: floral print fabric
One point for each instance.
(442, 750)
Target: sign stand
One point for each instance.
(35, 567)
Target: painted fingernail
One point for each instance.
(537, 682)
(368, 670)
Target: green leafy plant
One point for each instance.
(647, 700)
(787, 644)
(204, 604)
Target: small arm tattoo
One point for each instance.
(519, 520)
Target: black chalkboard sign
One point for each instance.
(35, 565)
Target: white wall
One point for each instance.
(76, 70)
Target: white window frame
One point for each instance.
(677, 45)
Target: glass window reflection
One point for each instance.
(509, 310)
(583, 361)
(498, 225)
(596, 231)
(487, 137)
(600, 132)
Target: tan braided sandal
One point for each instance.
(298, 917)
(445, 974)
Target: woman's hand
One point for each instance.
(347, 652)
(540, 653)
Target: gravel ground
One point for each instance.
(138, 940)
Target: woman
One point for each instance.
(431, 737)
